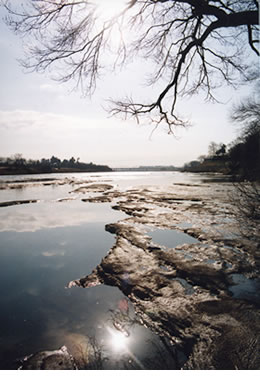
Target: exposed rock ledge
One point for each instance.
(18, 202)
(49, 360)
(184, 293)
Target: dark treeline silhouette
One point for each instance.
(245, 153)
(19, 165)
(241, 159)
(244, 157)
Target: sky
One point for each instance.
(40, 118)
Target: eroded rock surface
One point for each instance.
(17, 202)
(94, 187)
(183, 293)
(49, 360)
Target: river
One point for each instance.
(56, 238)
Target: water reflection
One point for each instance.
(34, 268)
(35, 217)
(130, 345)
(115, 340)
(171, 238)
(245, 288)
(43, 247)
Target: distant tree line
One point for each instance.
(216, 160)
(242, 157)
(19, 164)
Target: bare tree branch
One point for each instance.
(193, 45)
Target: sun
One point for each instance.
(118, 340)
(108, 9)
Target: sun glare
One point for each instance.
(107, 9)
(118, 340)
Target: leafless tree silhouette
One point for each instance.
(246, 156)
(189, 45)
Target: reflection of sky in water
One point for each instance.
(44, 246)
(245, 288)
(36, 216)
(171, 238)
(35, 191)
(122, 179)
(38, 313)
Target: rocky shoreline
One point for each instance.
(213, 328)
(203, 297)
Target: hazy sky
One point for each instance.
(40, 118)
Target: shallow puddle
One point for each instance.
(184, 225)
(171, 238)
(245, 288)
(188, 288)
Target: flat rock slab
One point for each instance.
(95, 187)
(183, 293)
(49, 360)
(18, 202)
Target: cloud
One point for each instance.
(33, 121)
(17, 119)
(99, 139)
(26, 119)
(53, 253)
(49, 87)
(55, 90)
(51, 215)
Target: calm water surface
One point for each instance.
(171, 238)
(47, 244)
